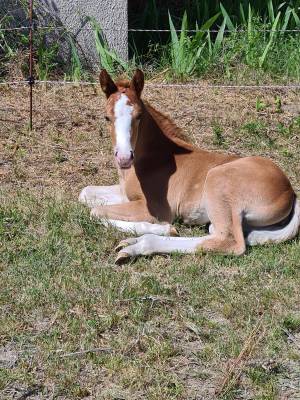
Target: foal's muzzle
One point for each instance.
(124, 161)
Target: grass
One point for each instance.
(249, 44)
(61, 293)
(166, 327)
(236, 52)
(218, 134)
(236, 43)
(154, 14)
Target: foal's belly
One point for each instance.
(195, 216)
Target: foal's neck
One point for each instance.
(158, 137)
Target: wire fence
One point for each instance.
(158, 84)
(31, 80)
(86, 28)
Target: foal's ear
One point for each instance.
(137, 82)
(107, 84)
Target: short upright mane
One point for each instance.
(123, 83)
(168, 127)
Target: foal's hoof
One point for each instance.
(94, 213)
(121, 245)
(122, 258)
(173, 231)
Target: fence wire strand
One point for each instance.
(84, 28)
(30, 82)
(162, 85)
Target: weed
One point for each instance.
(76, 71)
(218, 138)
(60, 157)
(284, 130)
(278, 104)
(260, 105)
(291, 323)
(46, 56)
(258, 375)
(257, 134)
(11, 42)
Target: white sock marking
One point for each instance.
(153, 244)
(139, 228)
(93, 196)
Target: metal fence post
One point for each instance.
(30, 78)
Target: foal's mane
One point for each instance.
(167, 126)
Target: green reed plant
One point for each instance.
(155, 13)
(258, 47)
(251, 37)
(5, 47)
(186, 49)
(46, 56)
(108, 58)
(76, 70)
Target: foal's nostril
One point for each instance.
(116, 153)
(131, 155)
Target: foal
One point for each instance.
(161, 177)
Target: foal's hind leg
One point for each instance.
(226, 232)
(227, 238)
(154, 244)
(226, 235)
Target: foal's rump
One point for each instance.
(273, 210)
(259, 193)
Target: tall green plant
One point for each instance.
(46, 56)
(214, 47)
(273, 32)
(107, 58)
(5, 47)
(185, 49)
(76, 66)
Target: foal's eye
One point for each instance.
(106, 118)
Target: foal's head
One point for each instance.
(123, 111)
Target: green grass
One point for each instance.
(60, 292)
(217, 129)
(250, 44)
(155, 13)
(240, 50)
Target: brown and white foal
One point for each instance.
(161, 177)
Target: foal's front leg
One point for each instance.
(93, 196)
(132, 217)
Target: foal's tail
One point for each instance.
(276, 234)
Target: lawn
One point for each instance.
(74, 325)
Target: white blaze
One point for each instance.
(123, 117)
